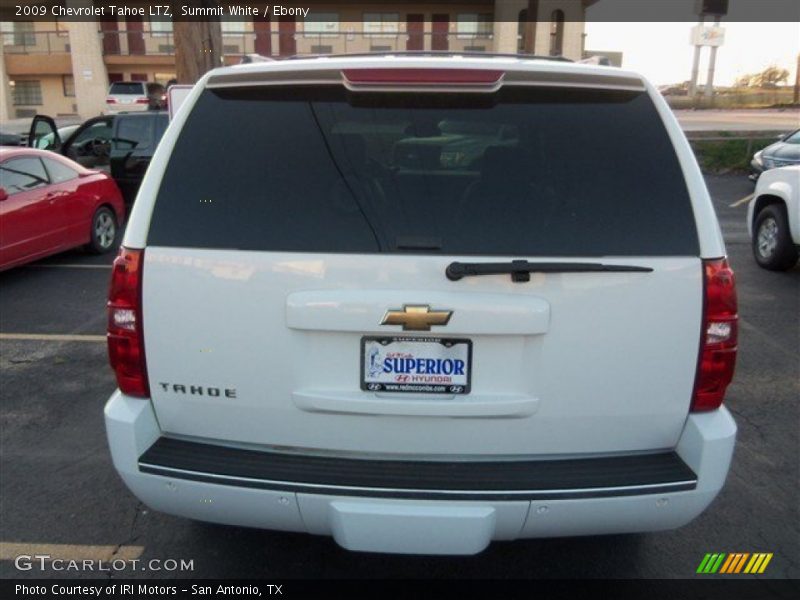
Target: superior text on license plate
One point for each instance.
(426, 365)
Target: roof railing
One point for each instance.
(255, 58)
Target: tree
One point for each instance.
(769, 77)
(198, 44)
(529, 34)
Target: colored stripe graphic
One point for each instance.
(763, 566)
(711, 563)
(734, 563)
(716, 565)
(703, 563)
(741, 562)
(730, 564)
(735, 557)
(727, 564)
(754, 563)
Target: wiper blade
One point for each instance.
(520, 270)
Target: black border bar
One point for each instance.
(631, 11)
(433, 479)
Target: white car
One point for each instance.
(773, 218)
(420, 342)
(127, 96)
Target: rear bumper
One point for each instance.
(419, 507)
(115, 109)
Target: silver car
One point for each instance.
(783, 153)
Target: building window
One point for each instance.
(7, 31)
(18, 33)
(557, 33)
(161, 27)
(474, 25)
(381, 24)
(321, 25)
(139, 77)
(27, 93)
(68, 84)
(232, 27)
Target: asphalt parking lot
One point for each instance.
(61, 496)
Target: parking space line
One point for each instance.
(742, 201)
(50, 337)
(66, 266)
(11, 550)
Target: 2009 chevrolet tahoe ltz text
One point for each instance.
(432, 311)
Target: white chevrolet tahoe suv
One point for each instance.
(415, 303)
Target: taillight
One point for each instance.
(415, 77)
(111, 101)
(142, 100)
(719, 336)
(125, 335)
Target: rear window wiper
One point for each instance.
(520, 270)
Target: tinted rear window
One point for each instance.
(134, 132)
(127, 88)
(524, 172)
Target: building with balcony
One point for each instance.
(64, 68)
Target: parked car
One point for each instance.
(10, 139)
(49, 204)
(783, 153)
(120, 144)
(132, 96)
(415, 359)
(773, 218)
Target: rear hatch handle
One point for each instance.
(520, 270)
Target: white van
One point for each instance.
(423, 303)
(133, 96)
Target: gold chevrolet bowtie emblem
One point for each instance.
(416, 317)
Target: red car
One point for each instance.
(49, 204)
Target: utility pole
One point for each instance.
(198, 45)
(796, 97)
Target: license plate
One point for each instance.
(422, 365)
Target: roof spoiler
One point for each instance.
(408, 77)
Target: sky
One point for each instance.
(662, 51)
